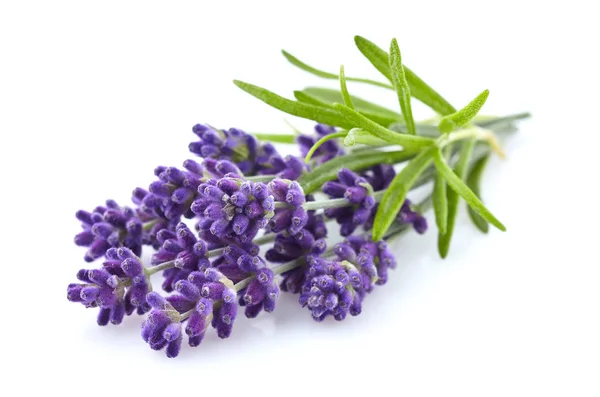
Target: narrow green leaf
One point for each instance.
(365, 108)
(444, 239)
(344, 89)
(360, 136)
(396, 192)
(358, 120)
(440, 203)
(275, 138)
(401, 86)
(321, 141)
(326, 75)
(331, 96)
(459, 187)
(311, 112)
(307, 98)
(474, 182)
(359, 161)
(418, 88)
(455, 120)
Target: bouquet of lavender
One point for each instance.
(209, 220)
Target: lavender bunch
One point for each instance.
(209, 221)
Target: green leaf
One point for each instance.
(359, 161)
(321, 141)
(418, 88)
(360, 136)
(444, 239)
(275, 138)
(344, 89)
(307, 98)
(474, 182)
(440, 203)
(396, 192)
(459, 187)
(326, 75)
(367, 109)
(455, 120)
(401, 86)
(331, 96)
(311, 112)
(358, 120)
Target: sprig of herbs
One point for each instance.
(363, 122)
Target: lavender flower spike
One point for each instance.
(233, 208)
(204, 298)
(119, 288)
(106, 227)
(182, 247)
(358, 192)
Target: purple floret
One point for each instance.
(233, 208)
(358, 192)
(110, 226)
(245, 151)
(205, 298)
(325, 152)
(184, 248)
(119, 288)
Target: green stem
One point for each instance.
(260, 178)
(150, 224)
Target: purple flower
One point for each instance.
(334, 288)
(204, 298)
(182, 247)
(365, 253)
(245, 151)
(286, 248)
(233, 208)
(242, 262)
(110, 226)
(337, 287)
(162, 327)
(325, 152)
(408, 215)
(358, 192)
(174, 191)
(293, 217)
(119, 288)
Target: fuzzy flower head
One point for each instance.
(185, 250)
(205, 298)
(106, 227)
(292, 217)
(325, 152)
(334, 288)
(240, 263)
(358, 192)
(119, 288)
(233, 208)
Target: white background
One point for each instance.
(94, 95)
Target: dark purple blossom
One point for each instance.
(188, 253)
(204, 298)
(333, 288)
(233, 208)
(337, 287)
(358, 192)
(408, 215)
(365, 252)
(119, 288)
(106, 227)
(174, 191)
(325, 152)
(293, 217)
(239, 263)
(245, 151)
